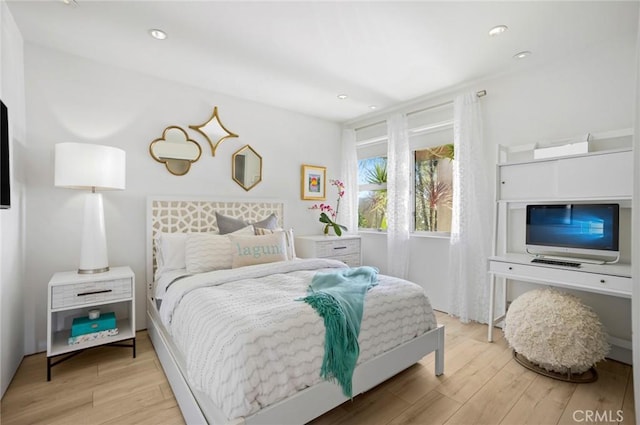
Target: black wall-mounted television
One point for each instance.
(5, 176)
(582, 231)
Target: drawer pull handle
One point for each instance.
(510, 268)
(339, 247)
(100, 291)
(601, 280)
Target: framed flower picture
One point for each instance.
(313, 182)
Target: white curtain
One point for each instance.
(398, 196)
(471, 227)
(349, 205)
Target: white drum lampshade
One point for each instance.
(91, 167)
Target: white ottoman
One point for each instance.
(556, 333)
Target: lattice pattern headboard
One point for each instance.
(198, 215)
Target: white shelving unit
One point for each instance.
(604, 174)
(72, 295)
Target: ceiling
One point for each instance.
(300, 55)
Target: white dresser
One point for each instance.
(344, 248)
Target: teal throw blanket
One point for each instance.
(338, 297)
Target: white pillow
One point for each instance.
(250, 250)
(205, 252)
(170, 251)
(165, 280)
(289, 239)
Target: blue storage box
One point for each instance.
(84, 325)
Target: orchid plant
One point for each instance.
(328, 215)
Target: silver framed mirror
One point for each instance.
(246, 167)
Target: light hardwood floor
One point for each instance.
(482, 384)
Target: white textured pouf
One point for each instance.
(555, 331)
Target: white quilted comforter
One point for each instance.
(248, 343)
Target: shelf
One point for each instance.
(555, 158)
(93, 304)
(60, 339)
(567, 200)
(619, 140)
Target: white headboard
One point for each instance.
(197, 214)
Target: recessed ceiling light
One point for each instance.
(70, 2)
(497, 30)
(522, 55)
(373, 107)
(157, 34)
(342, 96)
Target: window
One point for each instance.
(430, 132)
(372, 193)
(433, 190)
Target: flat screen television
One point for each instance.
(5, 184)
(586, 232)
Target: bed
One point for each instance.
(262, 303)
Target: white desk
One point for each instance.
(608, 279)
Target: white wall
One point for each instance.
(78, 100)
(590, 91)
(12, 220)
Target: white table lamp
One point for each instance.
(91, 167)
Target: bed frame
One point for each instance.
(166, 214)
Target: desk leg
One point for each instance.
(504, 297)
(492, 307)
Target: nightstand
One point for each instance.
(344, 248)
(72, 295)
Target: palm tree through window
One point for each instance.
(433, 190)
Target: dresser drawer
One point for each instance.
(79, 294)
(333, 248)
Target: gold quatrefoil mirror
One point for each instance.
(175, 150)
(246, 167)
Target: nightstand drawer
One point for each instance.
(337, 247)
(346, 249)
(79, 294)
(351, 260)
